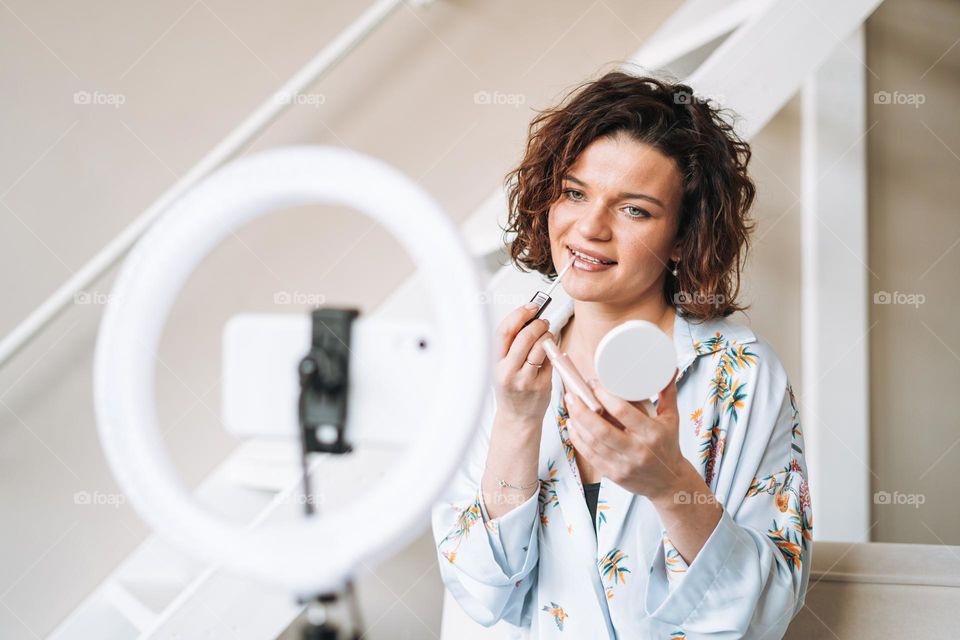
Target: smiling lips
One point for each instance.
(589, 261)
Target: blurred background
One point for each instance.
(852, 275)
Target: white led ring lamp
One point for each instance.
(316, 554)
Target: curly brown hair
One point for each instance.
(713, 229)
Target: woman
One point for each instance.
(694, 523)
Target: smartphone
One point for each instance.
(570, 376)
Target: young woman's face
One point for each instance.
(621, 201)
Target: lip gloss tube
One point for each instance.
(571, 377)
(542, 298)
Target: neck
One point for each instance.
(593, 320)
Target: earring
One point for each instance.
(674, 272)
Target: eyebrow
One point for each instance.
(641, 196)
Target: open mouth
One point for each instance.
(590, 259)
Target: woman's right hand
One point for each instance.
(522, 390)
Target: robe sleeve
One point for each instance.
(750, 577)
(489, 566)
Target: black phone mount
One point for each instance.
(324, 381)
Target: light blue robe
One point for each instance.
(542, 568)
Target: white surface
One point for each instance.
(836, 374)
(635, 360)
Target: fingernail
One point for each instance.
(530, 305)
(593, 383)
(568, 398)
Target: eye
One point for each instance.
(640, 213)
(573, 194)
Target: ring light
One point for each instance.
(315, 554)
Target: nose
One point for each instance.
(594, 221)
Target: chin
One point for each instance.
(585, 292)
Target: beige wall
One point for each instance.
(73, 175)
(914, 233)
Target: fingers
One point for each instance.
(626, 413)
(648, 407)
(537, 353)
(524, 343)
(587, 446)
(667, 400)
(585, 449)
(595, 431)
(509, 327)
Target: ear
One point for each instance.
(675, 253)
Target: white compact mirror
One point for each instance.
(635, 360)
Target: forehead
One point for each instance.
(621, 163)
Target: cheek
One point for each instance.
(561, 214)
(649, 251)
(559, 220)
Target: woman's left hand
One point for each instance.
(644, 455)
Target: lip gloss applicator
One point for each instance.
(542, 298)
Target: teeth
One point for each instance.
(587, 258)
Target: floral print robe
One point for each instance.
(542, 568)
